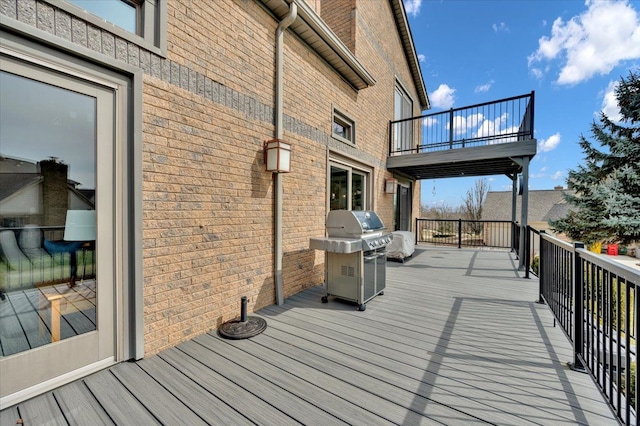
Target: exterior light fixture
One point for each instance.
(277, 156)
(390, 186)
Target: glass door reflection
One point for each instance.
(47, 214)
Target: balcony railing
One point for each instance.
(466, 233)
(595, 301)
(502, 121)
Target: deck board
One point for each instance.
(255, 409)
(457, 338)
(207, 406)
(157, 399)
(253, 382)
(79, 406)
(116, 399)
(41, 411)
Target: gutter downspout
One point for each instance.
(277, 177)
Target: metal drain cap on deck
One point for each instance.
(237, 329)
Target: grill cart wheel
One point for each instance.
(325, 299)
(362, 307)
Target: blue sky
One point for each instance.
(571, 53)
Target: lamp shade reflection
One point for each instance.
(80, 225)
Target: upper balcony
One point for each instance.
(478, 140)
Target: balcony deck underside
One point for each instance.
(495, 159)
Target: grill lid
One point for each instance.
(352, 223)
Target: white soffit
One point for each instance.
(315, 32)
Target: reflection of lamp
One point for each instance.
(80, 226)
(277, 156)
(390, 186)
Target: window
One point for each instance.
(143, 22)
(402, 132)
(402, 205)
(343, 128)
(348, 188)
(119, 12)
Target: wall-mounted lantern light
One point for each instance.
(390, 186)
(277, 156)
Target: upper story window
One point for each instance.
(402, 132)
(343, 128)
(122, 13)
(143, 22)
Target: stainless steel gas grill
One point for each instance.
(355, 255)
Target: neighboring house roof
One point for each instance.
(544, 205)
(17, 175)
(12, 183)
(17, 165)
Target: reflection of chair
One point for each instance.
(12, 254)
(25, 263)
(31, 246)
(14, 258)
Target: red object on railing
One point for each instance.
(612, 249)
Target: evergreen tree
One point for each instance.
(606, 188)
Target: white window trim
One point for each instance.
(338, 115)
(352, 165)
(152, 20)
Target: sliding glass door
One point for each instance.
(57, 280)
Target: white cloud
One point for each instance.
(461, 123)
(443, 97)
(541, 173)
(610, 103)
(484, 88)
(558, 175)
(421, 57)
(429, 121)
(494, 128)
(479, 126)
(594, 42)
(537, 73)
(549, 144)
(501, 27)
(412, 7)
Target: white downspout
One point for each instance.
(277, 177)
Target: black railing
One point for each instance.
(466, 233)
(571, 280)
(595, 301)
(532, 252)
(502, 121)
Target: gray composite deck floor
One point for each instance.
(457, 338)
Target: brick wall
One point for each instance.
(339, 15)
(206, 109)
